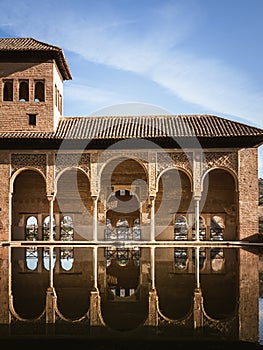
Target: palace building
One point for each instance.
(119, 184)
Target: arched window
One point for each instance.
(217, 228)
(46, 237)
(46, 229)
(31, 235)
(180, 228)
(66, 234)
(122, 256)
(23, 91)
(109, 232)
(8, 90)
(122, 229)
(39, 91)
(31, 229)
(180, 258)
(217, 259)
(136, 230)
(136, 256)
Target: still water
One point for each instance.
(133, 292)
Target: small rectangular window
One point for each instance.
(32, 119)
(39, 91)
(8, 90)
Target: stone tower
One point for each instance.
(31, 85)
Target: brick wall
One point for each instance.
(248, 192)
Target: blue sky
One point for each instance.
(177, 56)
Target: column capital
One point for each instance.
(51, 196)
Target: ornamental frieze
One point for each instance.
(69, 160)
(167, 160)
(220, 159)
(37, 161)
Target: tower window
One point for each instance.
(23, 91)
(32, 119)
(39, 91)
(8, 90)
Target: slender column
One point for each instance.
(95, 215)
(197, 214)
(51, 215)
(152, 238)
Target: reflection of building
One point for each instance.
(190, 177)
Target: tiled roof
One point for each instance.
(129, 127)
(30, 45)
(152, 127)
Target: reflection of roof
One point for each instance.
(18, 48)
(213, 130)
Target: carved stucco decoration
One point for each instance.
(69, 160)
(227, 160)
(167, 160)
(37, 161)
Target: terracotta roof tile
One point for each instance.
(128, 127)
(30, 45)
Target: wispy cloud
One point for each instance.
(146, 43)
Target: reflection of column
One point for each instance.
(152, 319)
(95, 215)
(51, 297)
(95, 267)
(197, 226)
(152, 238)
(51, 197)
(95, 306)
(198, 298)
(197, 267)
(153, 267)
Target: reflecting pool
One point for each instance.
(172, 292)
